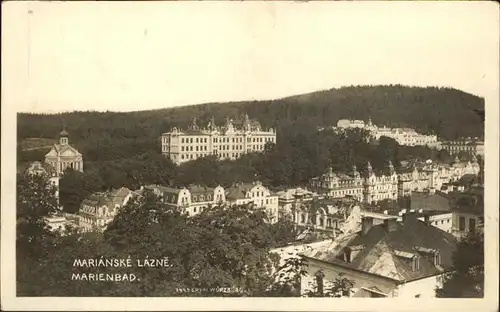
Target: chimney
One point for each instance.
(427, 219)
(366, 224)
(390, 224)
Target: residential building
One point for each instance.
(380, 187)
(393, 259)
(338, 185)
(323, 215)
(404, 136)
(428, 201)
(369, 188)
(63, 155)
(99, 209)
(191, 200)
(291, 198)
(468, 214)
(226, 142)
(257, 194)
(468, 145)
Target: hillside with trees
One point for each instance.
(123, 149)
(449, 113)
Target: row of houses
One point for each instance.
(403, 254)
(371, 187)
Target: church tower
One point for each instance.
(64, 137)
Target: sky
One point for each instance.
(144, 55)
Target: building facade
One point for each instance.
(256, 194)
(404, 136)
(384, 260)
(468, 145)
(62, 155)
(369, 188)
(191, 200)
(381, 187)
(339, 185)
(226, 142)
(99, 209)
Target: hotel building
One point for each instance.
(404, 136)
(368, 189)
(467, 145)
(226, 142)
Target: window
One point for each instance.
(461, 224)
(437, 258)
(415, 263)
(319, 281)
(472, 225)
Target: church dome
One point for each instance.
(64, 133)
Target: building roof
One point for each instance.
(36, 167)
(118, 196)
(237, 192)
(427, 201)
(198, 189)
(62, 150)
(98, 199)
(389, 253)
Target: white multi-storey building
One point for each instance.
(63, 155)
(191, 200)
(404, 136)
(194, 199)
(369, 189)
(337, 185)
(256, 194)
(227, 142)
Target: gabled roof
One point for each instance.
(239, 190)
(437, 201)
(98, 199)
(118, 196)
(383, 252)
(198, 189)
(59, 149)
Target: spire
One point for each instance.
(355, 171)
(369, 167)
(391, 167)
(211, 124)
(63, 136)
(457, 160)
(246, 122)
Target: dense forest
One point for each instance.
(449, 113)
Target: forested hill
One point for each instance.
(449, 113)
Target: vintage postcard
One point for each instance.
(219, 155)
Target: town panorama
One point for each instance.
(276, 200)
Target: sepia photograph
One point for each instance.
(256, 151)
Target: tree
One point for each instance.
(339, 287)
(467, 278)
(283, 232)
(35, 200)
(75, 186)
